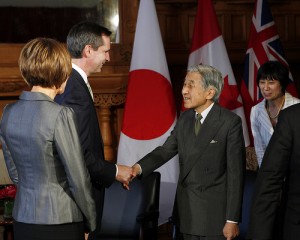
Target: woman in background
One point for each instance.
(43, 153)
(272, 80)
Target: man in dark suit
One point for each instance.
(280, 167)
(89, 45)
(212, 161)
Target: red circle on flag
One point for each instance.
(149, 108)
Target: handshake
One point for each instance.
(126, 174)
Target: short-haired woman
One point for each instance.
(43, 153)
(272, 80)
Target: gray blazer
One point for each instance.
(44, 158)
(212, 166)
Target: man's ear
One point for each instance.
(211, 93)
(86, 51)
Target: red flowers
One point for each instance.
(8, 192)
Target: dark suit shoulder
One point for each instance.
(216, 110)
(290, 114)
(223, 113)
(293, 109)
(233, 117)
(74, 87)
(187, 113)
(75, 79)
(185, 116)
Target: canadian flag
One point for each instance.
(150, 113)
(208, 48)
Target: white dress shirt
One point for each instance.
(205, 113)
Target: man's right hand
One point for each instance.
(124, 176)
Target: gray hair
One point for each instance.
(211, 78)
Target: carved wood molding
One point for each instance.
(11, 88)
(109, 99)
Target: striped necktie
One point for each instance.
(198, 123)
(90, 90)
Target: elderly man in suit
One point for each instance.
(280, 167)
(212, 160)
(89, 46)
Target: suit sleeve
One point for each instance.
(267, 191)
(160, 155)
(236, 158)
(69, 150)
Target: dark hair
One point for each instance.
(45, 62)
(274, 70)
(85, 33)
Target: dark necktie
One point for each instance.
(90, 90)
(198, 123)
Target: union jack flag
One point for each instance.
(263, 45)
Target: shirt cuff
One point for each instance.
(139, 166)
(117, 170)
(229, 221)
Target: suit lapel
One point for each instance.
(77, 77)
(210, 127)
(80, 80)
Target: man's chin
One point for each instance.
(97, 70)
(187, 106)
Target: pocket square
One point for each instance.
(213, 141)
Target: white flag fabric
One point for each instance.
(150, 113)
(208, 48)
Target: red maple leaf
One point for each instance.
(229, 96)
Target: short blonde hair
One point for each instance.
(45, 62)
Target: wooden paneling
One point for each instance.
(295, 21)
(234, 17)
(238, 33)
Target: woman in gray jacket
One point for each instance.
(43, 153)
